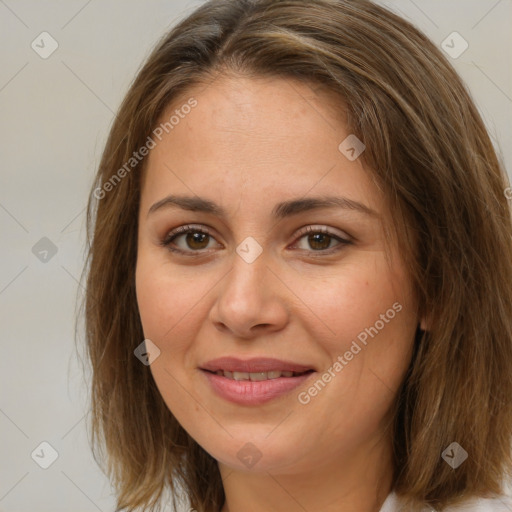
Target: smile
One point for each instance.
(257, 376)
(253, 381)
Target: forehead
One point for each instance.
(253, 139)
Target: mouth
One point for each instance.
(254, 381)
(255, 365)
(258, 376)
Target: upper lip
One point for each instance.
(254, 365)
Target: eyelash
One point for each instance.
(183, 230)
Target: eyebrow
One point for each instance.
(280, 210)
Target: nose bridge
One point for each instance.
(249, 274)
(249, 296)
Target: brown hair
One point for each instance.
(429, 152)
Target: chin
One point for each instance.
(253, 453)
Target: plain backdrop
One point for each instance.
(55, 116)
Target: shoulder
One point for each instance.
(496, 504)
(502, 503)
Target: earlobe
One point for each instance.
(423, 324)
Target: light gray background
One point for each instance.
(55, 116)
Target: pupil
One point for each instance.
(193, 238)
(317, 239)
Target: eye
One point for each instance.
(196, 239)
(319, 239)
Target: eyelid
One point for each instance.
(201, 228)
(189, 227)
(319, 228)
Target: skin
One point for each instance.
(248, 144)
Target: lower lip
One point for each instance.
(247, 392)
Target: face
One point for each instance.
(284, 330)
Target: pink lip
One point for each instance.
(248, 392)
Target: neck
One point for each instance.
(360, 480)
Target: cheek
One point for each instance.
(167, 299)
(371, 314)
(371, 320)
(362, 297)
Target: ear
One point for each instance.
(424, 324)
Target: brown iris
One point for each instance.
(197, 238)
(317, 241)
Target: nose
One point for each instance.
(251, 300)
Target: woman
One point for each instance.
(298, 291)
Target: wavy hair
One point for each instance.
(428, 151)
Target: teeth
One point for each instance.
(257, 376)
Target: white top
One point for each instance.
(498, 504)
